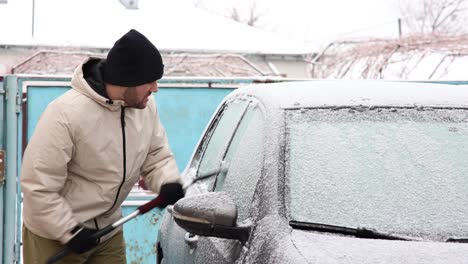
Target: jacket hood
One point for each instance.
(329, 248)
(93, 73)
(81, 85)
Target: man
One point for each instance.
(90, 147)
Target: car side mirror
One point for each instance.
(213, 214)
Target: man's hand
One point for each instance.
(170, 193)
(82, 241)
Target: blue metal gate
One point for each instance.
(185, 107)
(10, 194)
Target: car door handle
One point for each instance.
(191, 240)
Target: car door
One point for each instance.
(205, 164)
(241, 167)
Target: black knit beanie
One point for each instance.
(132, 61)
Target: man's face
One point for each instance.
(137, 96)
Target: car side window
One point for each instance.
(216, 141)
(243, 161)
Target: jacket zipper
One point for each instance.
(122, 123)
(97, 228)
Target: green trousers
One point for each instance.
(37, 250)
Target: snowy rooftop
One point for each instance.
(171, 25)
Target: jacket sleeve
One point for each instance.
(43, 175)
(160, 166)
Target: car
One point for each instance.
(327, 171)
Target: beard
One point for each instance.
(133, 101)
(139, 105)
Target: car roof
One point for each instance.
(330, 93)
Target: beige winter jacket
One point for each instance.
(84, 158)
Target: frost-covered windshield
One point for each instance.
(401, 171)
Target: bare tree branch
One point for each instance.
(405, 58)
(448, 11)
(234, 15)
(443, 17)
(248, 14)
(253, 15)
